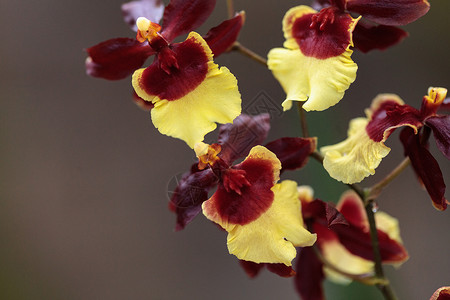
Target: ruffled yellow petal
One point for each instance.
(335, 253)
(272, 237)
(320, 82)
(355, 158)
(190, 118)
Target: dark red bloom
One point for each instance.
(235, 141)
(119, 57)
(379, 31)
(390, 114)
(342, 233)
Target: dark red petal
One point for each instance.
(192, 68)
(441, 130)
(322, 212)
(254, 200)
(292, 152)
(332, 41)
(308, 280)
(243, 134)
(116, 58)
(252, 269)
(190, 193)
(426, 167)
(281, 270)
(221, 38)
(442, 293)
(389, 116)
(367, 37)
(358, 242)
(445, 106)
(352, 208)
(183, 16)
(150, 9)
(389, 12)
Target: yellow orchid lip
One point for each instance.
(189, 91)
(315, 66)
(263, 219)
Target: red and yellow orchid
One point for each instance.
(315, 65)
(188, 92)
(357, 157)
(343, 241)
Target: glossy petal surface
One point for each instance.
(222, 37)
(367, 36)
(308, 280)
(293, 152)
(319, 78)
(190, 193)
(245, 133)
(441, 131)
(355, 158)
(116, 58)
(191, 99)
(183, 16)
(389, 12)
(387, 113)
(426, 167)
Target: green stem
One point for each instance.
(385, 288)
(249, 53)
(302, 116)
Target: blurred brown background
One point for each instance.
(85, 176)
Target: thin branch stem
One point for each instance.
(385, 288)
(376, 190)
(230, 8)
(303, 121)
(249, 53)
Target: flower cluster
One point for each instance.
(235, 182)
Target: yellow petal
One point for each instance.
(320, 82)
(191, 117)
(356, 157)
(272, 237)
(336, 254)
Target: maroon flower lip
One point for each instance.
(324, 34)
(191, 69)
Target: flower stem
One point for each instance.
(230, 8)
(249, 53)
(302, 116)
(385, 288)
